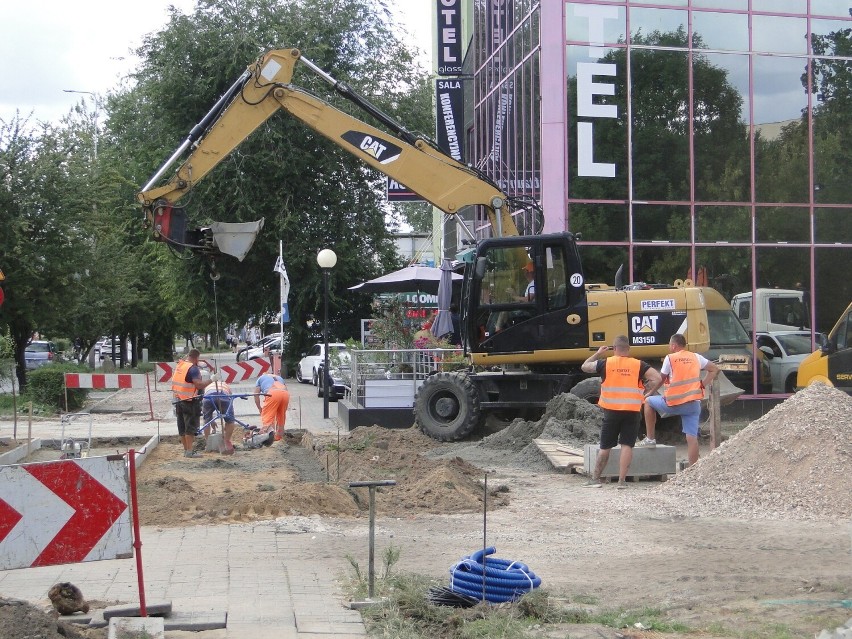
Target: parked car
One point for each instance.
(264, 347)
(99, 346)
(307, 370)
(784, 351)
(110, 348)
(340, 376)
(241, 353)
(40, 353)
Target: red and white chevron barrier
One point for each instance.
(164, 371)
(64, 512)
(242, 371)
(105, 380)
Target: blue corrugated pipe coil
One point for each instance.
(505, 580)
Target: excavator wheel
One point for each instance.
(588, 389)
(447, 406)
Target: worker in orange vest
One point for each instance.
(622, 394)
(186, 386)
(684, 390)
(273, 413)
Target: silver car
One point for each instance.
(40, 353)
(784, 351)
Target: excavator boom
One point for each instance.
(263, 90)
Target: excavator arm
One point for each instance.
(263, 90)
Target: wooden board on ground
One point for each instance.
(563, 458)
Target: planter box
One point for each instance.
(390, 393)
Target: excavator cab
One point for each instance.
(521, 293)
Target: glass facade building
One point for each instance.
(685, 139)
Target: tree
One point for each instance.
(43, 244)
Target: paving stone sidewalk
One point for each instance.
(270, 584)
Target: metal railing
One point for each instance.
(401, 371)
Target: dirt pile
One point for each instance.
(423, 485)
(22, 619)
(567, 419)
(792, 463)
(308, 477)
(252, 484)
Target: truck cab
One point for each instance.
(771, 309)
(832, 364)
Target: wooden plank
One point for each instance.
(560, 456)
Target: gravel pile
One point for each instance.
(792, 463)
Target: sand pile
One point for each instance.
(792, 463)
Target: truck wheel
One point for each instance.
(447, 406)
(588, 389)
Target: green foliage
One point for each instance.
(406, 613)
(7, 354)
(63, 345)
(8, 404)
(7, 347)
(46, 387)
(390, 324)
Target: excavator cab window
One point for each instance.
(554, 278)
(521, 291)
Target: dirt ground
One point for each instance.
(753, 541)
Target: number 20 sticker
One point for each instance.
(577, 280)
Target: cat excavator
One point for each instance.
(529, 318)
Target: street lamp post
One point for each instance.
(326, 259)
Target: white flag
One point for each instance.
(279, 266)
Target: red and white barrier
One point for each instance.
(64, 512)
(105, 380)
(108, 380)
(242, 371)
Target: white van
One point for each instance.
(775, 309)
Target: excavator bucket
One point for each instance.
(235, 238)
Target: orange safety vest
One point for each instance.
(685, 380)
(218, 387)
(622, 389)
(180, 387)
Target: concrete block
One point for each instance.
(97, 620)
(80, 618)
(196, 621)
(646, 461)
(17, 454)
(132, 627)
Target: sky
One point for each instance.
(51, 47)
